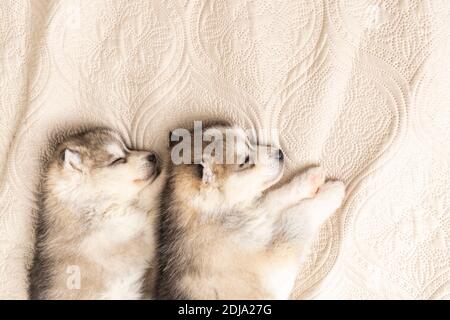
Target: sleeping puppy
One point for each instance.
(223, 235)
(95, 235)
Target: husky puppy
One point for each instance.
(95, 236)
(225, 235)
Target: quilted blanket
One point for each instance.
(359, 86)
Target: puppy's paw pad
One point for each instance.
(334, 190)
(314, 178)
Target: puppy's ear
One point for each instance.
(180, 135)
(207, 174)
(71, 159)
(173, 138)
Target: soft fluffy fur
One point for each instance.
(96, 217)
(223, 235)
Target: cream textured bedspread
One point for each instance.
(360, 86)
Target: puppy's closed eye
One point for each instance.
(199, 170)
(118, 161)
(246, 161)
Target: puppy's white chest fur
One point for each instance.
(127, 287)
(122, 246)
(116, 229)
(279, 280)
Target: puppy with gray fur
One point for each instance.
(95, 234)
(225, 235)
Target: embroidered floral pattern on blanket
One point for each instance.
(361, 86)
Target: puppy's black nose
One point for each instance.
(152, 158)
(280, 155)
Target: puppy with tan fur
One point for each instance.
(95, 236)
(224, 233)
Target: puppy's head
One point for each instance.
(227, 169)
(96, 168)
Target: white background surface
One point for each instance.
(362, 87)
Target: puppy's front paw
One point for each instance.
(309, 182)
(333, 192)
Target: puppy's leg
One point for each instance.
(260, 228)
(301, 187)
(301, 223)
(297, 229)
